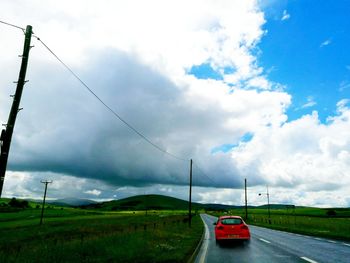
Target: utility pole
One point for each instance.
(190, 198)
(6, 134)
(246, 200)
(268, 203)
(42, 209)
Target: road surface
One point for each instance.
(271, 246)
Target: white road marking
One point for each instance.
(263, 240)
(331, 241)
(346, 244)
(204, 248)
(309, 260)
(318, 239)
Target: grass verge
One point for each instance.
(334, 228)
(101, 238)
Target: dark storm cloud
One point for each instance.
(66, 130)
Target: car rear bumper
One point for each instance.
(232, 238)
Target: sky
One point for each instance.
(246, 89)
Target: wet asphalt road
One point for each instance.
(270, 246)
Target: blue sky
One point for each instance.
(208, 80)
(306, 49)
(309, 53)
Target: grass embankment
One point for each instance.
(75, 235)
(307, 221)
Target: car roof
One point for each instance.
(224, 217)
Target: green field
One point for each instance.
(148, 228)
(302, 220)
(80, 235)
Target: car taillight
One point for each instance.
(244, 227)
(220, 228)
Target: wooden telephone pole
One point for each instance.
(246, 199)
(6, 134)
(43, 206)
(190, 198)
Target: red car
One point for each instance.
(231, 228)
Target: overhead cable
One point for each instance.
(108, 107)
(204, 173)
(9, 24)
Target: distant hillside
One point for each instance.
(161, 202)
(275, 206)
(155, 202)
(143, 202)
(71, 202)
(219, 207)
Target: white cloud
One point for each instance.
(93, 192)
(303, 154)
(259, 82)
(135, 56)
(28, 185)
(326, 43)
(285, 15)
(25, 185)
(342, 108)
(141, 73)
(344, 85)
(310, 103)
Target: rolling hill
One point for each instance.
(144, 202)
(153, 202)
(71, 202)
(161, 202)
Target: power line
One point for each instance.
(115, 113)
(204, 173)
(9, 24)
(108, 107)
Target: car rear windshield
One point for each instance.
(231, 221)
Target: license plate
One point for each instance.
(233, 236)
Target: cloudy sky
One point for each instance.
(247, 89)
